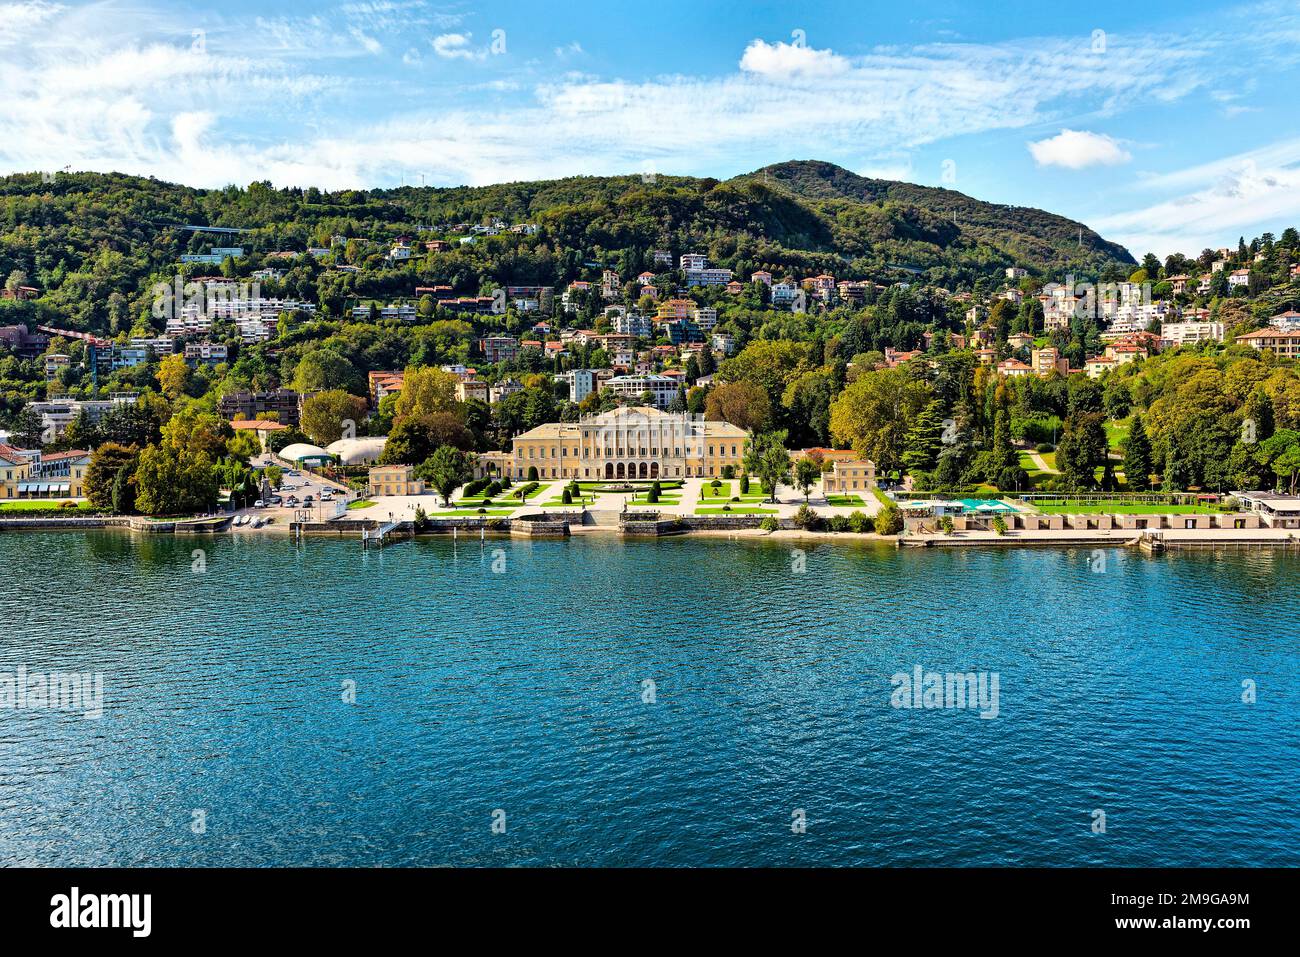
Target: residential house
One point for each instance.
(394, 480)
(848, 477)
(1282, 344)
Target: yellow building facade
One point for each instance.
(395, 480)
(634, 442)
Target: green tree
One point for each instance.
(331, 415)
(889, 520)
(424, 391)
(743, 404)
(175, 482)
(323, 369)
(1082, 449)
(414, 439)
(924, 440)
(123, 497)
(876, 411)
(1138, 465)
(106, 462)
(806, 474)
(767, 460)
(446, 470)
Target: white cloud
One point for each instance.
(298, 101)
(782, 60)
(456, 46)
(1215, 202)
(368, 43)
(1078, 149)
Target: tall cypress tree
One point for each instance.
(1137, 456)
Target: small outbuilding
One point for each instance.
(300, 453)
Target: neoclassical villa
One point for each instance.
(633, 442)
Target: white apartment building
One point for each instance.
(707, 277)
(1187, 333)
(663, 388)
(404, 311)
(506, 387)
(706, 317)
(211, 353)
(784, 294)
(633, 324)
(581, 383)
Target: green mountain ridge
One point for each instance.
(93, 243)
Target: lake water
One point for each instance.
(679, 702)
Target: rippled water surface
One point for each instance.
(522, 690)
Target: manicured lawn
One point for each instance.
(578, 502)
(360, 503)
(845, 501)
(723, 490)
(1116, 434)
(42, 505)
(469, 512)
(736, 510)
(509, 494)
(663, 500)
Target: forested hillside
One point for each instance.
(93, 244)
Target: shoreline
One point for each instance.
(1059, 538)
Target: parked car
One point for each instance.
(259, 504)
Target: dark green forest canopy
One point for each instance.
(94, 244)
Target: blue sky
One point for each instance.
(1167, 127)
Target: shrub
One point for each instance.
(858, 522)
(715, 485)
(838, 523)
(494, 489)
(566, 497)
(482, 511)
(946, 524)
(486, 503)
(735, 498)
(744, 483)
(421, 518)
(532, 473)
(728, 472)
(769, 523)
(1044, 447)
(807, 519)
(505, 482)
(999, 524)
(726, 508)
(889, 520)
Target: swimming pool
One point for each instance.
(985, 505)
